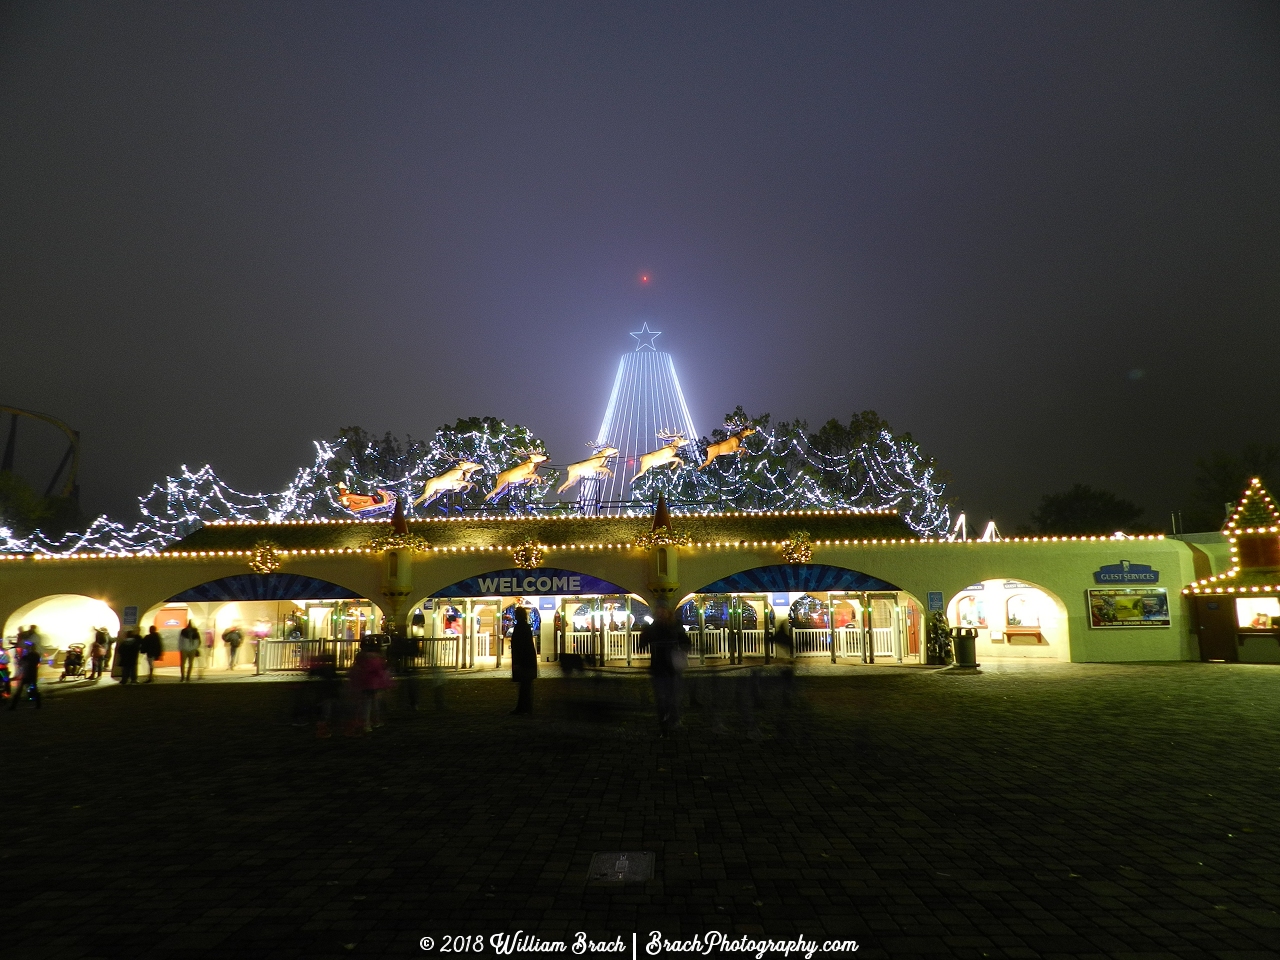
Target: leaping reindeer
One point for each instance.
(732, 445)
(663, 455)
(592, 468)
(454, 480)
(520, 474)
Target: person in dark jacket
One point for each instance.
(28, 672)
(153, 650)
(524, 660)
(127, 651)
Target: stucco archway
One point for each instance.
(64, 619)
(1015, 619)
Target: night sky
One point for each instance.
(1043, 238)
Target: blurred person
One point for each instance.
(206, 658)
(97, 654)
(153, 650)
(188, 650)
(404, 653)
(369, 678)
(524, 660)
(668, 645)
(43, 646)
(127, 651)
(28, 670)
(6, 679)
(232, 637)
(322, 670)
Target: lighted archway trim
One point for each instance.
(265, 586)
(797, 578)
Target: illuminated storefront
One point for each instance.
(1237, 612)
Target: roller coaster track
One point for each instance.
(72, 456)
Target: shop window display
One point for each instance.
(809, 613)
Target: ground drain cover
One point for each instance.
(621, 866)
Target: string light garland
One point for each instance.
(403, 542)
(779, 469)
(1255, 519)
(663, 536)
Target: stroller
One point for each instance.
(73, 663)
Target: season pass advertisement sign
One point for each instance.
(1129, 607)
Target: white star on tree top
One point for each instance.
(645, 337)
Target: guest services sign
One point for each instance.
(1113, 574)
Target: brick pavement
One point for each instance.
(1056, 811)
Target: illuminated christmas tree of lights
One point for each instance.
(645, 406)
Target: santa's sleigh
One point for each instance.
(380, 504)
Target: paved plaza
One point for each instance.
(1046, 811)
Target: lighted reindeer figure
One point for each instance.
(592, 468)
(663, 455)
(517, 476)
(732, 445)
(454, 480)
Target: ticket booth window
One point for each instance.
(1258, 613)
(970, 613)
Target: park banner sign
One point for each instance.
(541, 581)
(1128, 607)
(1124, 572)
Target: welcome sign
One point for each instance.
(1126, 572)
(541, 581)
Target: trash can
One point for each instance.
(963, 640)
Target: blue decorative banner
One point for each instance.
(265, 586)
(796, 578)
(1126, 572)
(543, 581)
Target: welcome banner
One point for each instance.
(541, 581)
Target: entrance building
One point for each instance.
(468, 623)
(864, 587)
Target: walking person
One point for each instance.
(127, 651)
(28, 674)
(188, 650)
(524, 660)
(369, 677)
(97, 654)
(668, 655)
(232, 637)
(153, 650)
(5, 663)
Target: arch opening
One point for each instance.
(803, 610)
(1014, 619)
(268, 622)
(63, 619)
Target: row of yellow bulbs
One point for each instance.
(504, 548)
(1269, 588)
(848, 512)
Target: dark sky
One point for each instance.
(1044, 238)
